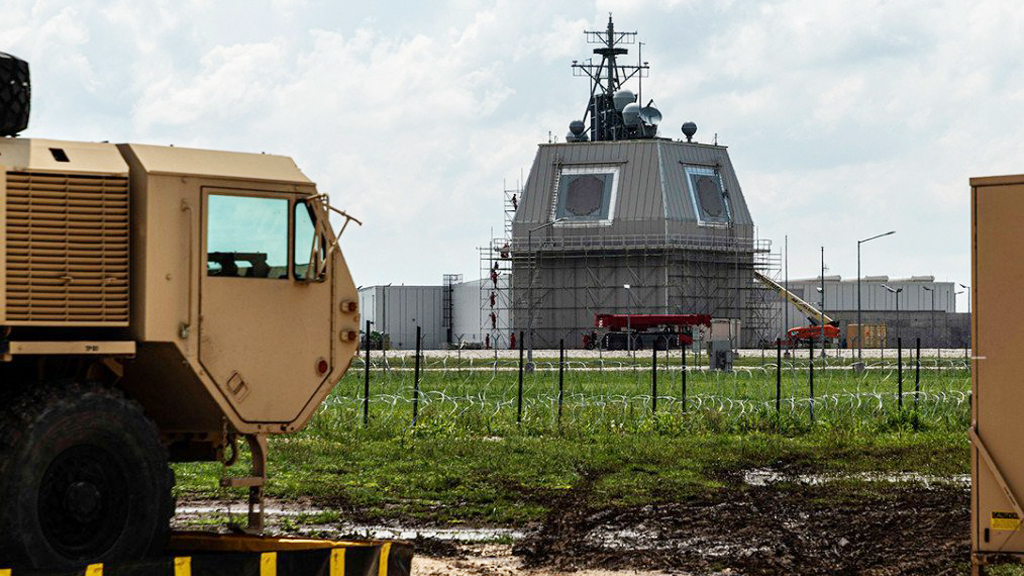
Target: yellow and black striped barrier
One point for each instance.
(196, 554)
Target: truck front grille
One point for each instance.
(67, 249)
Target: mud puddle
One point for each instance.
(769, 476)
(303, 519)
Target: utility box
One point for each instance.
(720, 355)
(997, 336)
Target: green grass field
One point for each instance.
(467, 460)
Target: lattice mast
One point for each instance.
(606, 79)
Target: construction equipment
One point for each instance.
(658, 331)
(997, 461)
(821, 323)
(158, 304)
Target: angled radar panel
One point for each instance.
(586, 195)
(709, 198)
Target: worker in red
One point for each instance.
(494, 321)
(512, 341)
(494, 276)
(493, 299)
(487, 341)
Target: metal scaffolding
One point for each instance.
(563, 282)
(496, 309)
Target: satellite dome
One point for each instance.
(623, 97)
(576, 127)
(689, 129)
(650, 115)
(631, 114)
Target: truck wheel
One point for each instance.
(83, 479)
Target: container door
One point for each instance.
(265, 327)
(998, 399)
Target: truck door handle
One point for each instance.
(186, 327)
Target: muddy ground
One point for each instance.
(781, 528)
(902, 530)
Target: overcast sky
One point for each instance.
(843, 118)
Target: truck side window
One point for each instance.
(307, 249)
(246, 236)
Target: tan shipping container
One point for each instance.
(997, 408)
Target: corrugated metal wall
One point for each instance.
(471, 320)
(652, 196)
(397, 310)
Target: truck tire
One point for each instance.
(15, 95)
(83, 479)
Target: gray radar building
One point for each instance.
(619, 220)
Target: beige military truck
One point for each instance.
(157, 304)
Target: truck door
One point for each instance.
(265, 325)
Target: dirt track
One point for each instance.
(899, 530)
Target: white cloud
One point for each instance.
(842, 117)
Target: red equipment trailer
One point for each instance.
(646, 330)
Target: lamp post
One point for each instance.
(895, 291)
(968, 288)
(384, 323)
(946, 323)
(529, 289)
(821, 308)
(822, 290)
(629, 320)
(786, 304)
(932, 313)
(859, 365)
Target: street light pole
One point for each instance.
(946, 323)
(822, 290)
(786, 304)
(384, 317)
(895, 291)
(859, 365)
(629, 320)
(968, 288)
(529, 290)
(932, 314)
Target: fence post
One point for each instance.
(916, 385)
(917, 376)
(810, 348)
(682, 359)
(416, 382)
(366, 380)
(778, 376)
(654, 378)
(519, 404)
(561, 370)
(899, 372)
